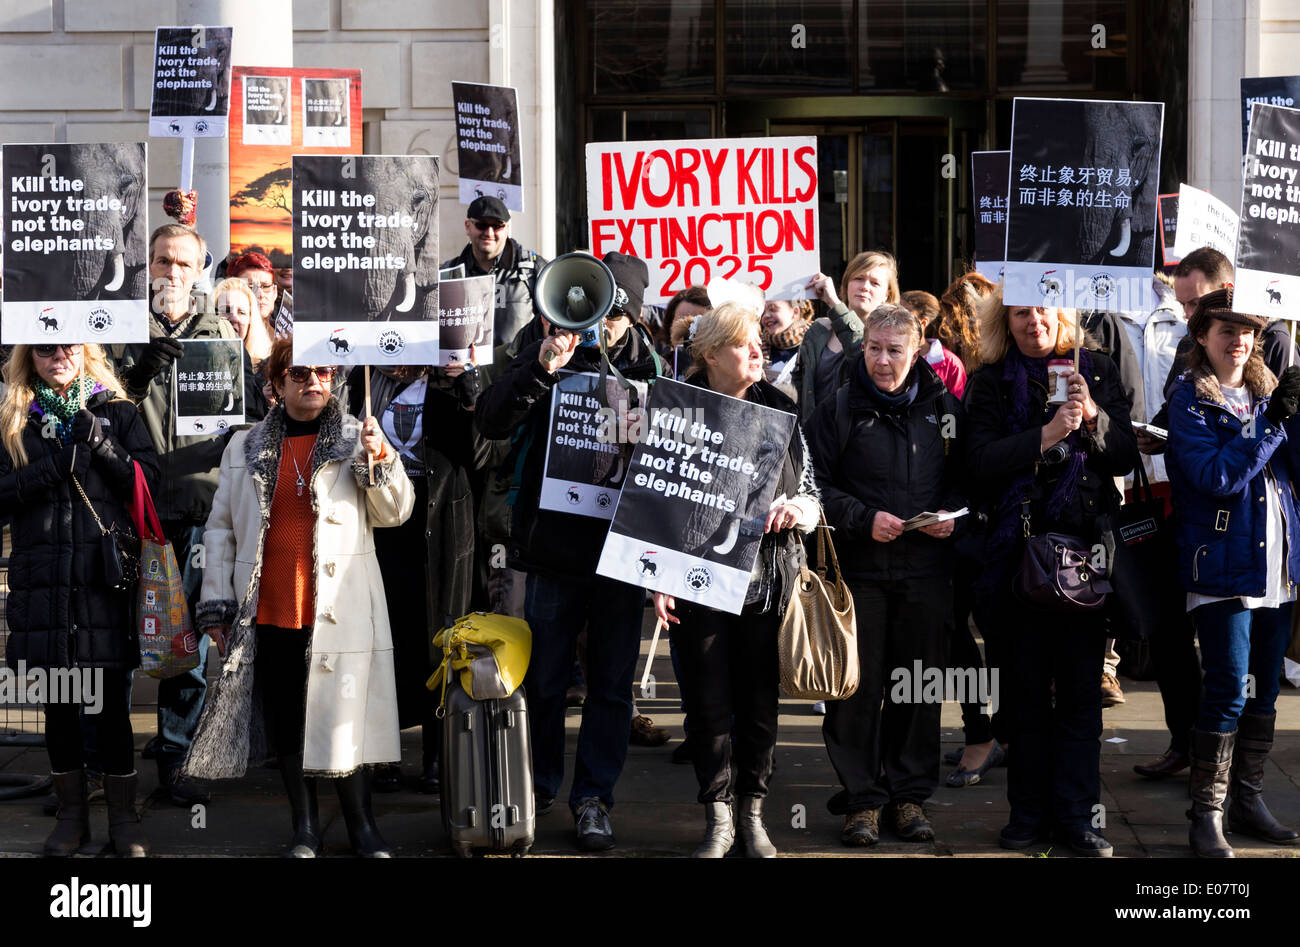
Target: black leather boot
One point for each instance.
(123, 818)
(73, 827)
(1211, 755)
(719, 831)
(1247, 813)
(354, 799)
(301, 791)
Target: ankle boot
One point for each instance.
(719, 831)
(1211, 755)
(354, 799)
(72, 830)
(123, 819)
(753, 834)
(301, 790)
(1247, 813)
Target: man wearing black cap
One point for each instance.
(559, 551)
(491, 251)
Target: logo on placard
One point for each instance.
(1274, 295)
(222, 424)
(1050, 285)
(390, 342)
(49, 321)
(647, 566)
(573, 496)
(698, 579)
(603, 500)
(199, 425)
(1103, 284)
(174, 127)
(200, 126)
(99, 321)
(338, 344)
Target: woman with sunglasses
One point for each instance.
(66, 474)
(293, 597)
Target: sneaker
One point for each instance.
(820, 708)
(911, 824)
(595, 834)
(645, 733)
(1111, 692)
(861, 828)
(1086, 844)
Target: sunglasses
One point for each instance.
(483, 226)
(302, 373)
(261, 288)
(47, 351)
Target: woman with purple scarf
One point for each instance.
(1055, 460)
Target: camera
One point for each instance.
(1057, 453)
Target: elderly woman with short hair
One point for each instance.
(293, 596)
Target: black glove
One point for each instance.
(468, 385)
(86, 429)
(74, 459)
(1286, 396)
(157, 355)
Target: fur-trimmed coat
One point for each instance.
(351, 712)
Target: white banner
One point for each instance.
(1204, 221)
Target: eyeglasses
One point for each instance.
(302, 373)
(260, 288)
(483, 226)
(47, 351)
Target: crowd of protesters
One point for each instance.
(316, 567)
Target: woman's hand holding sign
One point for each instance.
(664, 605)
(824, 287)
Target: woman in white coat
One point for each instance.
(293, 597)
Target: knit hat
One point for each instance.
(632, 277)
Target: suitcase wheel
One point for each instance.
(462, 849)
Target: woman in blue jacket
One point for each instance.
(1232, 460)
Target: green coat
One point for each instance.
(844, 323)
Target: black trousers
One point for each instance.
(882, 741)
(280, 670)
(1178, 675)
(1054, 774)
(730, 682)
(112, 742)
(963, 651)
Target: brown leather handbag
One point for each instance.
(818, 641)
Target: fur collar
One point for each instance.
(262, 448)
(1259, 380)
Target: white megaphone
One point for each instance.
(574, 292)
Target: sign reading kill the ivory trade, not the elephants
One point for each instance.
(736, 208)
(989, 171)
(1268, 90)
(191, 82)
(365, 260)
(75, 240)
(586, 458)
(1204, 221)
(1082, 226)
(1167, 206)
(696, 495)
(208, 386)
(465, 308)
(1268, 239)
(487, 143)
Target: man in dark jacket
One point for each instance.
(559, 551)
(492, 251)
(886, 448)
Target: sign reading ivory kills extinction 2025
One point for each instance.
(74, 243)
(739, 208)
(1268, 237)
(191, 82)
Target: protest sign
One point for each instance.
(465, 309)
(325, 113)
(208, 386)
(487, 143)
(265, 134)
(586, 460)
(1084, 176)
(191, 82)
(696, 497)
(1167, 204)
(989, 173)
(1268, 239)
(1204, 221)
(742, 208)
(75, 243)
(1270, 90)
(365, 262)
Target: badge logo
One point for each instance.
(698, 579)
(573, 496)
(603, 500)
(390, 342)
(1050, 285)
(48, 320)
(647, 566)
(1103, 285)
(99, 321)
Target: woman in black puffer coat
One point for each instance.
(62, 611)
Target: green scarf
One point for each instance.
(62, 407)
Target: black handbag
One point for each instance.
(1060, 572)
(119, 549)
(1143, 557)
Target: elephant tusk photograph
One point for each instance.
(212, 102)
(1125, 235)
(408, 298)
(119, 274)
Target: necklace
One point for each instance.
(301, 482)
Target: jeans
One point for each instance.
(729, 676)
(886, 749)
(557, 609)
(1236, 642)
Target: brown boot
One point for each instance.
(123, 818)
(72, 830)
(1211, 755)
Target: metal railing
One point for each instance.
(20, 724)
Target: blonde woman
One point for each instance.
(728, 663)
(870, 279)
(1061, 460)
(237, 304)
(65, 469)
